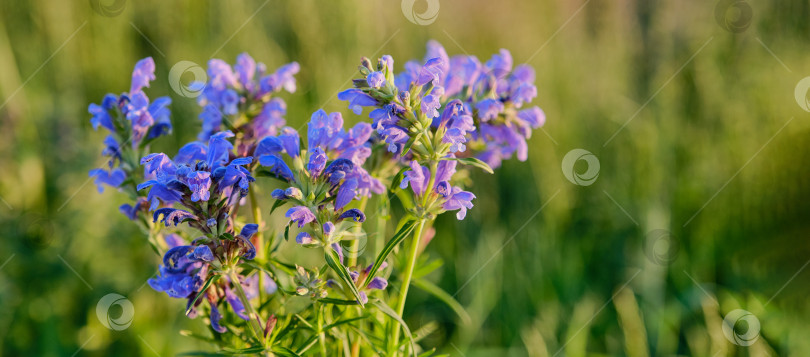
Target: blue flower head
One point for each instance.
(132, 122)
(244, 92)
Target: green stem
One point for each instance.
(406, 282)
(260, 249)
(252, 315)
(321, 333)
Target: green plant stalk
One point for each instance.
(406, 282)
(412, 255)
(254, 324)
(353, 256)
(257, 218)
(321, 332)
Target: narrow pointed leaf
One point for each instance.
(444, 297)
(208, 283)
(473, 162)
(403, 232)
(388, 311)
(333, 261)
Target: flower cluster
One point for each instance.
(427, 120)
(133, 122)
(240, 97)
(186, 268)
(327, 175)
(208, 184)
(483, 103)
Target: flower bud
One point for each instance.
(294, 192)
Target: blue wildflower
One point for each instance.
(301, 215)
(113, 178)
(357, 100)
(245, 89)
(375, 79)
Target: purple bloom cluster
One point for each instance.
(246, 88)
(449, 198)
(328, 171)
(488, 99)
(426, 120)
(199, 173)
(133, 122)
(185, 269)
(493, 94)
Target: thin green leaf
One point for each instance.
(398, 178)
(333, 261)
(424, 270)
(286, 267)
(369, 339)
(444, 297)
(308, 344)
(191, 334)
(277, 204)
(341, 322)
(428, 353)
(208, 283)
(403, 232)
(284, 351)
(410, 143)
(241, 351)
(338, 301)
(388, 311)
(200, 353)
(425, 331)
(472, 162)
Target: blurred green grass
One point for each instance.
(708, 134)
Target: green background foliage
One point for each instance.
(714, 151)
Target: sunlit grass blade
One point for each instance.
(390, 312)
(403, 232)
(444, 297)
(284, 351)
(333, 261)
(338, 301)
(473, 162)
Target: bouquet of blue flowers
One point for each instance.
(429, 124)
